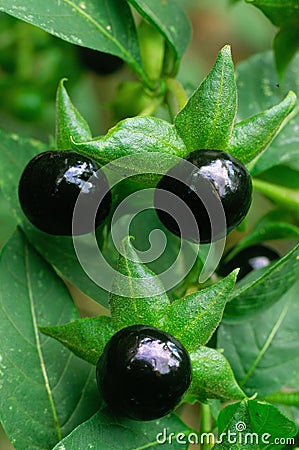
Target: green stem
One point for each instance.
(288, 198)
(205, 425)
(284, 398)
(176, 96)
(151, 108)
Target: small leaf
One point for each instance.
(137, 295)
(86, 337)
(170, 20)
(256, 296)
(137, 135)
(252, 136)
(207, 119)
(263, 350)
(105, 26)
(45, 390)
(253, 425)
(69, 122)
(106, 431)
(212, 376)
(145, 146)
(193, 319)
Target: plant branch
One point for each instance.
(281, 195)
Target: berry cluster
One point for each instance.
(143, 372)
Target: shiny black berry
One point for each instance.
(248, 259)
(99, 62)
(49, 188)
(143, 372)
(215, 186)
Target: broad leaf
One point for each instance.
(207, 119)
(60, 253)
(170, 20)
(15, 152)
(284, 15)
(106, 431)
(254, 296)
(194, 318)
(105, 26)
(43, 386)
(69, 122)
(137, 295)
(212, 376)
(251, 136)
(85, 337)
(286, 44)
(253, 425)
(258, 90)
(264, 351)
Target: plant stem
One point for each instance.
(205, 425)
(284, 398)
(288, 198)
(176, 96)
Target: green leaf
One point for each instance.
(106, 431)
(45, 390)
(69, 123)
(212, 376)
(207, 119)
(264, 351)
(286, 44)
(137, 295)
(252, 297)
(15, 153)
(86, 337)
(258, 90)
(194, 318)
(253, 425)
(145, 146)
(137, 135)
(251, 136)
(105, 26)
(284, 15)
(280, 12)
(60, 253)
(7, 222)
(170, 20)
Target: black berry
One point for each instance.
(248, 259)
(143, 372)
(49, 188)
(217, 189)
(99, 62)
